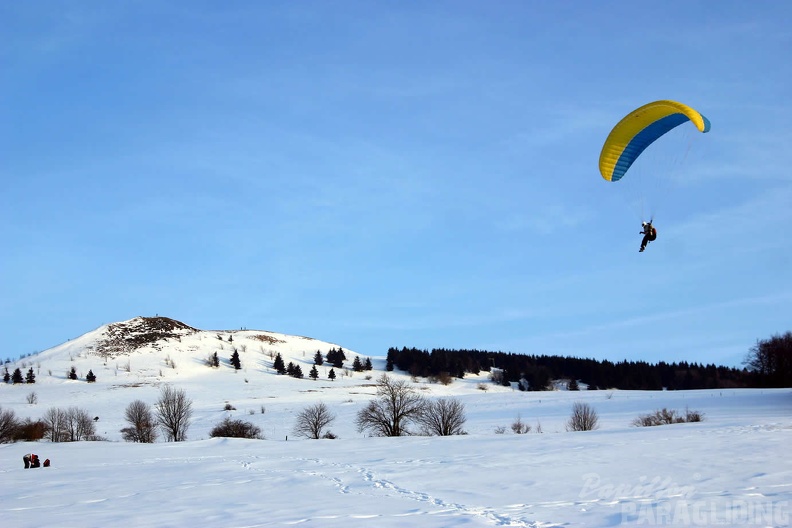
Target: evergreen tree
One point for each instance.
(389, 364)
(297, 372)
(6, 376)
(31, 377)
(215, 360)
(314, 374)
(573, 385)
(17, 377)
(368, 365)
(90, 377)
(318, 359)
(332, 375)
(73, 374)
(278, 365)
(290, 369)
(235, 360)
(336, 357)
(357, 366)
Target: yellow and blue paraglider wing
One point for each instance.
(639, 129)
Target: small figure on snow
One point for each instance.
(649, 232)
(31, 461)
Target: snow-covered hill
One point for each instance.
(133, 359)
(731, 469)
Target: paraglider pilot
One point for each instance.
(649, 233)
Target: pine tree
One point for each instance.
(368, 365)
(357, 366)
(73, 374)
(17, 377)
(278, 365)
(6, 376)
(336, 357)
(297, 372)
(235, 360)
(90, 377)
(573, 385)
(314, 374)
(290, 369)
(318, 359)
(215, 360)
(332, 375)
(31, 377)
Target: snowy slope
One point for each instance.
(732, 469)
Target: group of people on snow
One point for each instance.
(32, 460)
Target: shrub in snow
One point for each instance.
(584, 418)
(665, 417)
(443, 417)
(520, 427)
(30, 431)
(229, 428)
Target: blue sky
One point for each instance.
(382, 174)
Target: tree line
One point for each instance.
(767, 364)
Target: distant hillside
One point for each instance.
(161, 348)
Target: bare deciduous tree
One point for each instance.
(56, 424)
(69, 425)
(584, 418)
(396, 406)
(141, 423)
(443, 417)
(312, 420)
(79, 425)
(772, 360)
(173, 412)
(8, 425)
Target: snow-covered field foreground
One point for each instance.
(732, 469)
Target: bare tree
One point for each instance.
(173, 412)
(79, 425)
(396, 406)
(312, 420)
(443, 417)
(772, 360)
(584, 418)
(8, 425)
(55, 419)
(141, 423)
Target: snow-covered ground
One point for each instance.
(732, 469)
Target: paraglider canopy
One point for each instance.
(639, 129)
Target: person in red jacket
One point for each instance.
(31, 461)
(649, 232)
